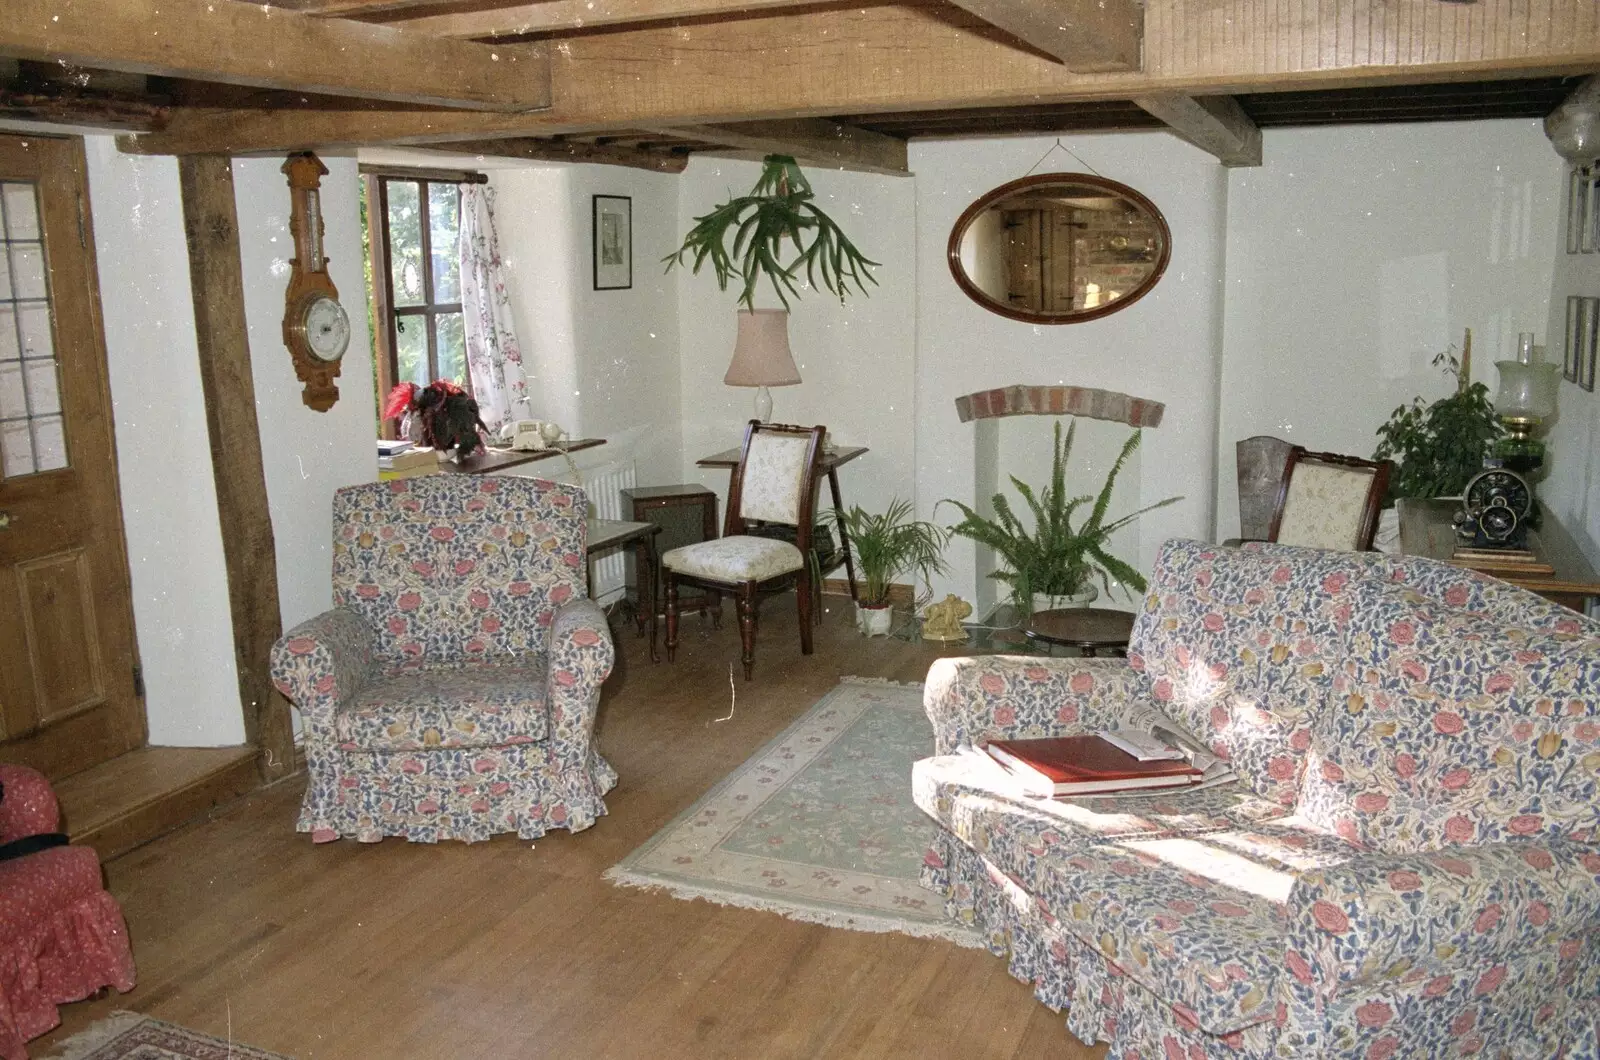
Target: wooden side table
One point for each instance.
(1427, 529)
(1089, 629)
(686, 514)
(610, 533)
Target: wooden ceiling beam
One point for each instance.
(550, 16)
(1215, 124)
(1086, 35)
(815, 141)
(569, 151)
(906, 58)
(247, 44)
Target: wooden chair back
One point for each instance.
(769, 499)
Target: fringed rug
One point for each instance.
(819, 825)
(130, 1036)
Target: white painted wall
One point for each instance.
(856, 360)
(169, 501)
(1166, 347)
(1356, 254)
(306, 455)
(1571, 490)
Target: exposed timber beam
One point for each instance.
(248, 44)
(813, 140)
(1087, 35)
(1215, 124)
(657, 161)
(551, 15)
(905, 58)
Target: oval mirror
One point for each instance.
(1059, 248)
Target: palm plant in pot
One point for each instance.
(885, 546)
(1056, 563)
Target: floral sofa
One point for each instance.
(451, 692)
(1408, 867)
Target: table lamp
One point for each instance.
(761, 356)
(1527, 400)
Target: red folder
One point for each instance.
(1083, 765)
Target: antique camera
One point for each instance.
(1496, 510)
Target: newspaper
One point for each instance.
(1147, 717)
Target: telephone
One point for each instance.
(532, 434)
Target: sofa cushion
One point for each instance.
(739, 558)
(1452, 727)
(1240, 648)
(424, 706)
(1199, 920)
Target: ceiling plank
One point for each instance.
(889, 59)
(1215, 124)
(569, 151)
(1086, 35)
(548, 16)
(815, 141)
(247, 44)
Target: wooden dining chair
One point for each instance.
(1329, 501)
(775, 482)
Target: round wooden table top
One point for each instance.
(1089, 628)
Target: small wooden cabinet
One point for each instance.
(686, 513)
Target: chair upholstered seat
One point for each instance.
(739, 558)
(410, 708)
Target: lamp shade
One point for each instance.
(1527, 391)
(761, 354)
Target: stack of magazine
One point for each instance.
(1148, 754)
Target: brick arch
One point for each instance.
(1097, 404)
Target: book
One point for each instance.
(411, 458)
(386, 475)
(391, 446)
(1084, 765)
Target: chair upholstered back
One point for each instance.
(774, 476)
(452, 567)
(1329, 501)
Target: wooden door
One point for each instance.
(67, 679)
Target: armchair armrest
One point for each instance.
(1018, 696)
(581, 656)
(1382, 916)
(322, 661)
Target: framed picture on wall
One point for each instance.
(1583, 341)
(613, 242)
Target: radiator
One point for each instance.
(605, 484)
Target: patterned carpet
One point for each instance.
(819, 825)
(130, 1036)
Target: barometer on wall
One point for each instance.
(316, 328)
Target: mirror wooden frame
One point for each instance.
(953, 249)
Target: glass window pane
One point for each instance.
(16, 449)
(411, 350)
(13, 400)
(405, 243)
(22, 212)
(452, 347)
(27, 271)
(44, 387)
(9, 350)
(444, 221)
(5, 274)
(49, 444)
(34, 323)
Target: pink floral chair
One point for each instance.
(451, 692)
(62, 936)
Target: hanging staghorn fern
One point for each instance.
(778, 208)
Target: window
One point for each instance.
(413, 225)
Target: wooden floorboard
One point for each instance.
(515, 949)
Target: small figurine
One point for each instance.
(942, 621)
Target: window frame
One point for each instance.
(385, 315)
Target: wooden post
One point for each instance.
(217, 282)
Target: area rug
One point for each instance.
(818, 826)
(130, 1036)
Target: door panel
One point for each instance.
(67, 696)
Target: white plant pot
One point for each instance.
(1387, 539)
(874, 621)
(1044, 602)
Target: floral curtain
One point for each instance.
(494, 360)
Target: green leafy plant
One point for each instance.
(1437, 447)
(889, 544)
(1056, 558)
(778, 208)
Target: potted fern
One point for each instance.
(887, 545)
(1056, 563)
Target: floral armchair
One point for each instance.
(451, 692)
(1409, 867)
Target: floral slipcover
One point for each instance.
(1408, 869)
(451, 692)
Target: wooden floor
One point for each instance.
(510, 949)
